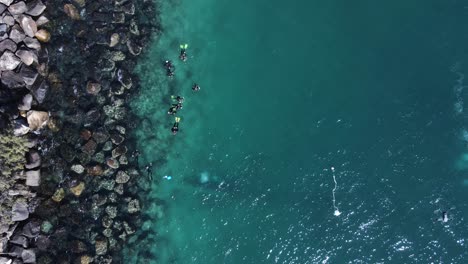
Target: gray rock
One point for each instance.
(33, 178)
(9, 20)
(21, 127)
(3, 27)
(101, 246)
(78, 168)
(28, 57)
(7, 44)
(6, 2)
(42, 20)
(26, 104)
(133, 206)
(11, 79)
(34, 160)
(19, 212)
(39, 90)
(35, 8)
(133, 47)
(8, 61)
(2, 8)
(17, 34)
(28, 25)
(28, 256)
(31, 229)
(4, 260)
(18, 8)
(20, 241)
(32, 43)
(28, 74)
(122, 177)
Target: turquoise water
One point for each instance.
(374, 89)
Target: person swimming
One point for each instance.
(178, 98)
(173, 109)
(445, 217)
(196, 87)
(135, 155)
(149, 170)
(175, 127)
(167, 177)
(168, 65)
(183, 52)
(169, 73)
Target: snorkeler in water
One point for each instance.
(183, 52)
(196, 87)
(168, 65)
(173, 109)
(175, 127)
(178, 98)
(149, 170)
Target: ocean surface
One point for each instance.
(374, 89)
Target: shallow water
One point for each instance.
(374, 89)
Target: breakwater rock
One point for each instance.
(66, 82)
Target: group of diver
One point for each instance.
(178, 100)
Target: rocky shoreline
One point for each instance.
(66, 74)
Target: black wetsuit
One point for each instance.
(175, 128)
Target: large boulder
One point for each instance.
(9, 61)
(35, 8)
(37, 119)
(26, 103)
(19, 212)
(28, 25)
(18, 8)
(71, 11)
(28, 57)
(20, 127)
(7, 44)
(11, 79)
(28, 256)
(6, 2)
(17, 34)
(33, 178)
(32, 43)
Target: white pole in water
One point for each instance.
(337, 212)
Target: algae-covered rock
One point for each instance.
(58, 195)
(12, 154)
(78, 189)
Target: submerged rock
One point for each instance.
(78, 168)
(114, 40)
(35, 8)
(71, 11)
(58, 195)
(122, 177)
(28, 256)
(78, 189)
(93, 88)
(133, 206)
(101, 246)
(113, 163)
(95, 170)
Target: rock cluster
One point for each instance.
(79, 161)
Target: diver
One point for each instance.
(183, 52)
(173, 109)
(175, 127)
(135, 155)
(196, 87)
(169, 73)
(178, 98)
(168, 64)
(149, 170)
